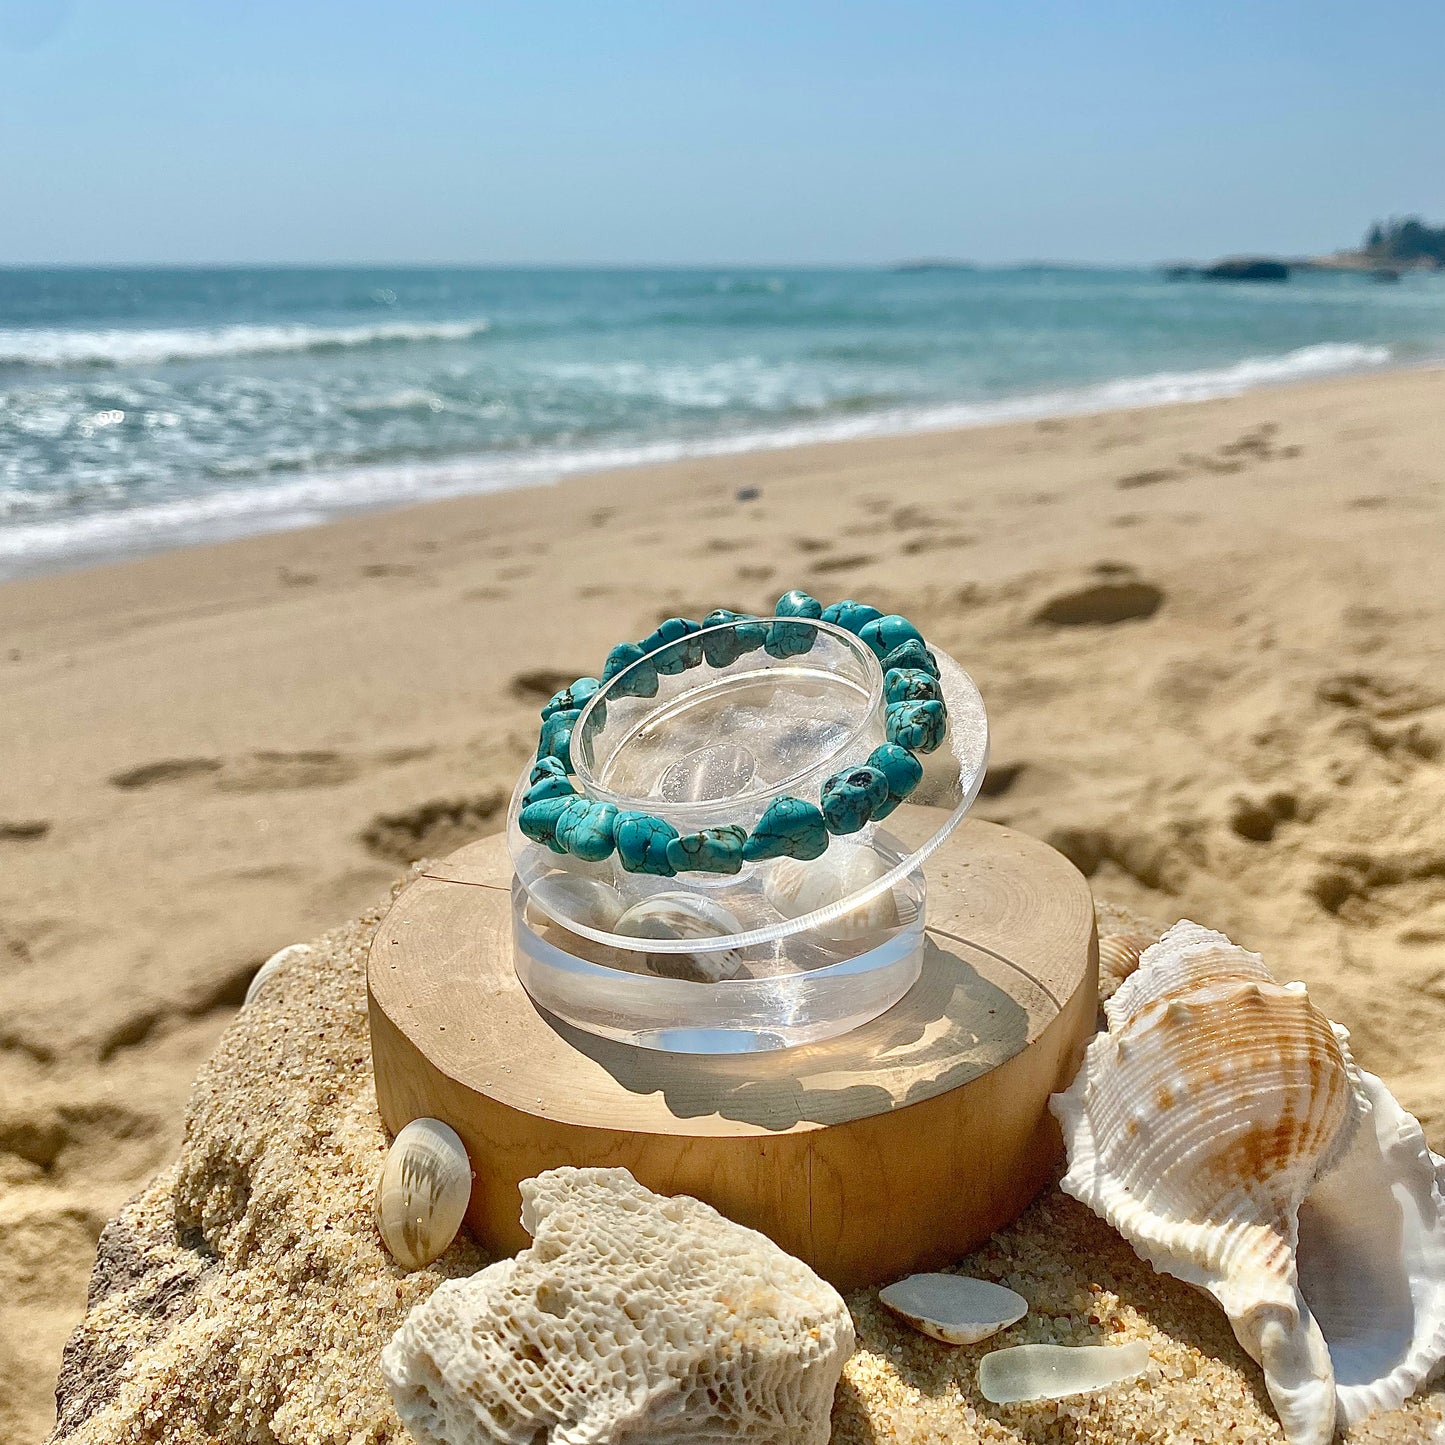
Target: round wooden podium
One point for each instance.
(897, 1147)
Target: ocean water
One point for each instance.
(141, 409)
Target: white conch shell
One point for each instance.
(1222, 1127)
(685, 915)
(423, 1192)
(263, 974)
(795, 886)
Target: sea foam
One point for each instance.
(60, 348)
(34, 546)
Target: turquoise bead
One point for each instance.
(911, 654)
(642, 843)
(790, 828)
(917, 726)
(548, 787)
(901, 770)
(714, 850)
(556, 740)
(883, 634)
(850, 616)
(584, 829)
(573, 698)
(910, 684)
(641, 679)
(680, 646)
(539, 821)
(798, 604)
(848, 799)
(546, 768)
(721, 648)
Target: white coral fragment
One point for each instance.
(632, 1317)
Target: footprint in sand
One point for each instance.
(539, 686)
(280, 772)
(263, 771)
(167, 770)
(23, 830)
(1101, 603)
(433, 829)
(1149, 478)
(1258, 819)
(847, 563)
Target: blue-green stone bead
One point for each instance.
(546, 768)
(548, 787)
(790, 828)
(721, 648)
(641, 681)
(910, 684)
(539, 821)
(714, 850)
(850, 616)
(903, 773)
(901, 770)
(911, 654)
(789, 639)
(556, 740)
(848, 799)
(883, 634)
(917, 726)
(571, 698)
(798, 604)
(584, 829)
(682, 648)
(642, 843)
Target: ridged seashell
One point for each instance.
(1049, 1372)
(1119, 955)
(1222, 1127)
(267, 969)
(795, 886)
(954, 1308)
(423, 1192)
(684, 915)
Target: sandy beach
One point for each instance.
(1211, 638)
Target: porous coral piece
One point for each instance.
(632, 1317)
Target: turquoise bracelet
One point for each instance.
(555, 814)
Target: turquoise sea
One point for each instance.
(142, 409)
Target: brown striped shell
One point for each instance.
(1222, 1127)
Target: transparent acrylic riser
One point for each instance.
(784, 952)
(776, 1005)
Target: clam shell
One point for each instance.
(1049, 1372)
(1222, 1127)
(423, 1192)
(796, 886)
(954, 1308)
(263, 974)
(685, 915)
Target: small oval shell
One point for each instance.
(953, 1307)
(684, 915)
(263, 974)
(423, 1192)
(796, 886)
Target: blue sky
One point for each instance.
(623, 131)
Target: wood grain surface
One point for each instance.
(895, 1147)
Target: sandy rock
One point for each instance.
(632, 1317)
(244, 1296)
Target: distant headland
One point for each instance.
(1390, 248)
